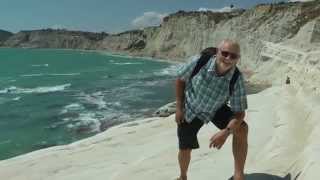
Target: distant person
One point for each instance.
(288, 80)
(202, 97)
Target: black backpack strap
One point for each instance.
(206, 54)
(203, 60)
(233, 80)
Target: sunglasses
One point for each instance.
(232, 56)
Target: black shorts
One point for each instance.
(187, 132)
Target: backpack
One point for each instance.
(206, 54)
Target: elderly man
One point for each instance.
(203, 96)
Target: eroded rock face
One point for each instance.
(315, 36)
(129, 41)
(186, 33)
(4, 35)
(55, 39)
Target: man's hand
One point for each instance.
(218, 139)
(179, 117)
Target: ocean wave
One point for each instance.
(16, 98)
(74, 106)
(71, 108)
(44, 89)
(40, 65)
(94, 99)
(169, 71)
(67, 74)
(89, 122)
(5, 100)
(41, 74)
(32, 75)
(127, 63)
(86, 122)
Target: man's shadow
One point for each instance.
(262, 176)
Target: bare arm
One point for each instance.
(218, 139)
(180, 87)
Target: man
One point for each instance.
(200, 97)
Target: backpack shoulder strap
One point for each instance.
(206, 54)
(203, 60)
(233, 80)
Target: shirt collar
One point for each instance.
(212, 69)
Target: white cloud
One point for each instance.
(224, 9)
(148, 19)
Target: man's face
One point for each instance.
(227, 56)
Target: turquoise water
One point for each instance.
(54, 97)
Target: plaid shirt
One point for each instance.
(207, 92)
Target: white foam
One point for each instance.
(67, 74)
(8, 90)
(55, 74)
(72, 107)
(95, 98)
(169, 71)
(32, 75)
(117, 103)
(87, 120)
(151, 83)
(5, 100)
(127, 63)
(44, 89)
(16, 98)
(40, 65)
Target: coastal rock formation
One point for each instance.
(183, 34)
(278, 41)
(126, 41)
(49, 38)
(4, 35)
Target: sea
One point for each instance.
(55, 97)
(51, 97)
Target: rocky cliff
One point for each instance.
(185, 33)
(4, 35)
(49, 38)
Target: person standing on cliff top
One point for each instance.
(202, 98)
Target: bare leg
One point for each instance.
(184, 157)
(240, 148)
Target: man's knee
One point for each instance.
(242, 131)
(185, 151)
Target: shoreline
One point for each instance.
(106, 156)
(149, 115)
(103, 52)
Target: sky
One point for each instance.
(110, 16)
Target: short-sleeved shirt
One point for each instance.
(207, 91)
